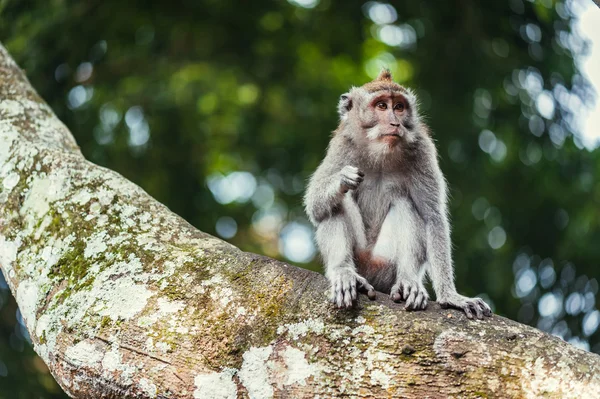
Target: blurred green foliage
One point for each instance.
(222, 109)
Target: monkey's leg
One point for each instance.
(336, 237)
(401, 241)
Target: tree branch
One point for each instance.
(122, 298)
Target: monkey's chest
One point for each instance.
(374, 198)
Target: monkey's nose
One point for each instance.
(395, 124)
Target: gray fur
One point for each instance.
(397, 212)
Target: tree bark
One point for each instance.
(124, 299)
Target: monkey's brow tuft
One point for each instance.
(385, 74)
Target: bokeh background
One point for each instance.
(222, 109)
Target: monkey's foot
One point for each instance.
(412, 292)
(468, 305)
(344, 284)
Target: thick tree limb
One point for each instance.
(122, 298)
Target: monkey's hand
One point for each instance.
(468, 305)
(344, 284)
(413, 292)
(350, 178)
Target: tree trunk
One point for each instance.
(122, 298)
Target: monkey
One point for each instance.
(378, 202)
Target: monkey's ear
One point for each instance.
(385, 74)
(344, 105)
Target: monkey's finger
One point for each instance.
(398, 292)
(424, 303)
(419, 301)
(395, 294)
(332, 294)
(363, 284)
(467, 311)
(367, 289)
(350, 184)
(354, 180)
(353, 290)
(345, 286)
(347, 299)
(477, 310)
(347, 292)
(485, 307)
(405, 291)
(411, 301)
(361, 174)
(337, 295)
(351, 169)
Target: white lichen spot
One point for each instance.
(112, 359)
(360, 320)
(27, 297)
(84, 354)
(217, 279)
(122, 299)
(241, 311)
(378, 377)
(8, 136)
(364, 329)
(298, 369)
(145, 217)
(223, 296)
(95, 245)
(112, 362)
(165, 307)
(128, 210)
(148, 387)
(11, 108)
(8, 252)
(302, 328)
(95, 208)
(163, 347)
(82, 197)
(11, 181)
(105, 196)
(254, 373)
(43, 192)
(149, 344)
(216, 385)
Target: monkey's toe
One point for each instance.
(473, 307)
(413, 293)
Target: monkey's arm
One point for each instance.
(327, 186)
(429, 193)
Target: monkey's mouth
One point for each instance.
(397, 134)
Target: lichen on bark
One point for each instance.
(122, 298)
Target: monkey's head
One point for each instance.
(381, 114)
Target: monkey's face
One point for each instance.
(385, 118)
(381, 115)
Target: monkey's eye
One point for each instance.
(381, 105)
(399, 107)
